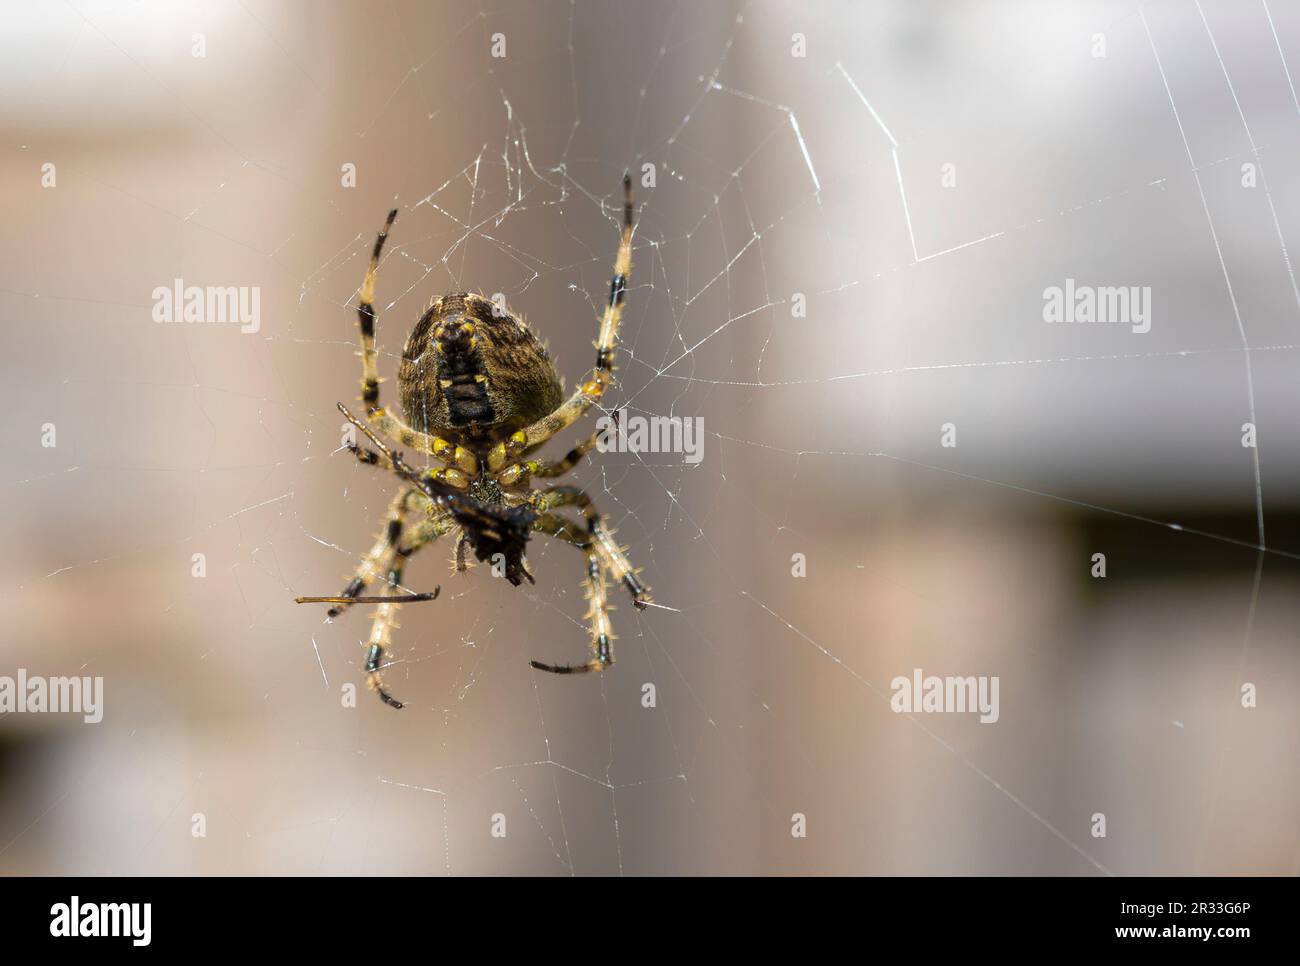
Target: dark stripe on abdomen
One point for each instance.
(467, 397)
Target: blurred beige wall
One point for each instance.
(773, 179)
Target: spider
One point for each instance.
(480, 395)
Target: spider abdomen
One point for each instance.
(471, 368)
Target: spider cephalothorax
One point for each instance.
(481, 396)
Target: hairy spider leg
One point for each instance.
(603, 544)
(385, 617)
(602, 634)
(374, 562)
(519, 474)
(553, 468)
(570, 411)
(461, 464)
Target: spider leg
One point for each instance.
(373, 562)
(518, 474)
(602, 635)
(590, 391)
(384, 457)
(611, 555)
(462, 465)
(553, 468)
(385, 618)
(369, 457)
(462, 545)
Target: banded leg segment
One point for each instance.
(385, 618)
(590, 391)
(457, 457)
(366, 321)
(612, 556)
(518, 474)
(449, 475)
(602, 634)
(374, 562)
(549, 468)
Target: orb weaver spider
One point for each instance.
(480, 395)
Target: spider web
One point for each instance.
(807, 284)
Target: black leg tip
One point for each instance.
(553, 668)
(596, 665)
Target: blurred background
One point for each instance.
(848, 216)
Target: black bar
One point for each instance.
(977, 916)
